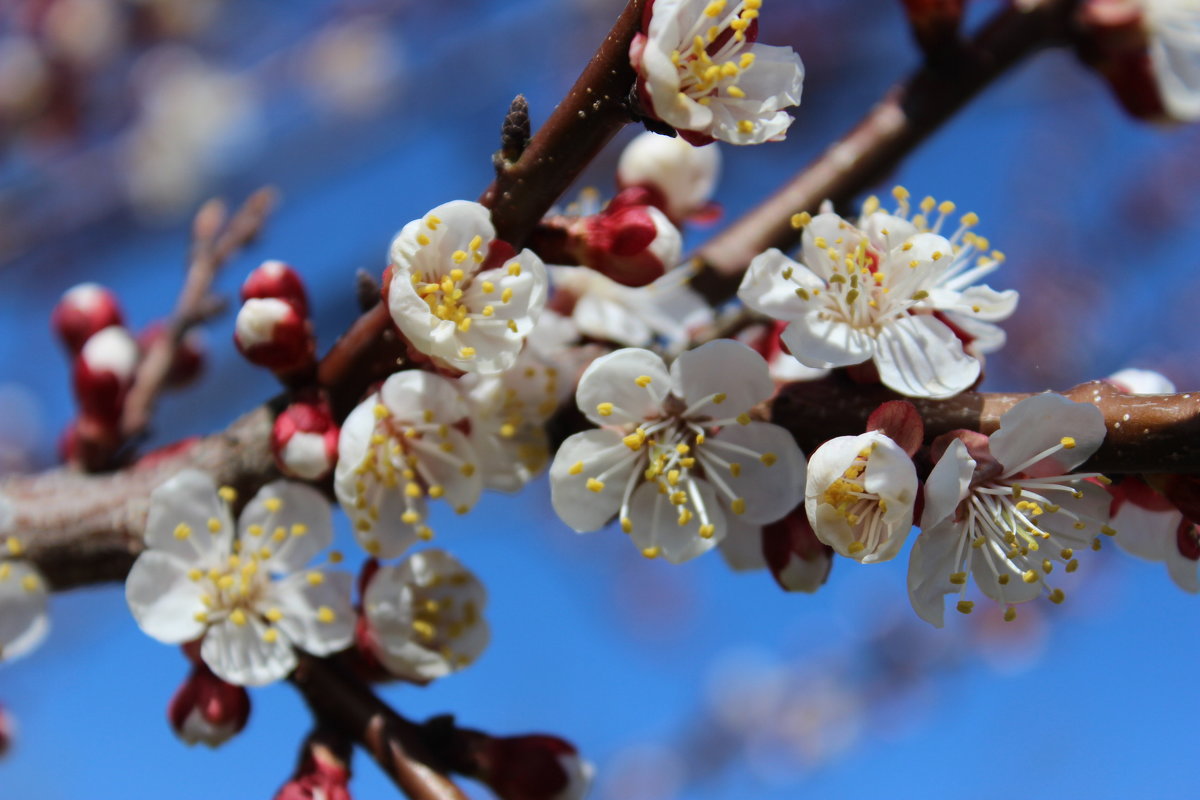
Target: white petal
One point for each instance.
(742, 547)
(605, 318)
(769, 492)
(457, 471)
(765, 289)
(239, 654)
(410, 394)
(930, 565)
(920, 356)
(614, 379)
(180, 513)
(1039, 423)
(23, 618)
(164, 601)
(986, 574)
(656, 523)
(948, 484)
(1144, 533)
(600, 452)
(300, 528)
(1183, 571)
(721, 367)
(1141, 381)
(978, 302)
(304, 602)
(819, 341)
(829, 227)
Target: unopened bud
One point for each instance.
(680, 176)
(207, 710)
(7, 731)
(84, 311)
(1141, 381)
(189, 356)
(323, 773)
(304, 440)
(104, 371)
(530, 767)
(631, 242)
(275, 279)
(799, 560)
(272, 333)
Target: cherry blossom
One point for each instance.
(23, 618)
(459, 294)
(700, 70)
(1006, 508)
(397, 448)
(860, 496)
(891, 290)
(203, 578)
(424, 616)
(677, 450)
(1173, 27)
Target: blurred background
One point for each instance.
(118, 117)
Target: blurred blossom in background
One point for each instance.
(118, 117)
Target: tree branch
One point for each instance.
(908, 115)
(394, 742)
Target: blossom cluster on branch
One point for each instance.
(509, 338)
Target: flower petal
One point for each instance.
(23, 618)
(239, 654)
(1040, 423)
(765, 289)
(769, 492)
(617, 379)
(818, 341)
(932, 561)
(742, 547)
(920, 356)
(317, 615)
(163, 599)
(581, 460)
(721, 378)
(295, 523)
(656, 529)
(948, 484)
(183, 512)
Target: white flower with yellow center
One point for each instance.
(424, 616)
(860, 495)
(397, 448)
(246, 591)
(1006, 510)
(677, 450)
(700, 71)
(891, 290)
(460, 295)
(23, 618)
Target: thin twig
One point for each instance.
(213, 243)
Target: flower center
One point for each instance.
(709, 68)
(863, 510)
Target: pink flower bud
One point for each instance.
(272, 333)
(304, 440)
(189, 356)
(680, 177)
(799, 560)
(630, 241)
(208, 710)
(104, 371)
(532, 767)
(275, 279)
(83, 311)
(900, 421)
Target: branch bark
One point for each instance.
(908, 115)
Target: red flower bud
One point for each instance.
(104, 371)
(532, 767)
(323, 774)
(276, 280)
(208, 710)
(7, 730)
(83, 311)
(304, 440)
(799, 560)
(271, 333)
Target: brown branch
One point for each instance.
(908, 115)
(211, 248)
(395, 743)
(1146, 433)
(590, 115)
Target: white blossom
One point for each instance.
(23, 618)
(1141, 381)
(677, 450)
(1163, 536)
(891, 290)
(397, 448)
(1173, 27)
(460, 295)
(246, 591)
(666, 309)
(424, 616)
(700, 71)
(860, 495)
(1008, 511)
